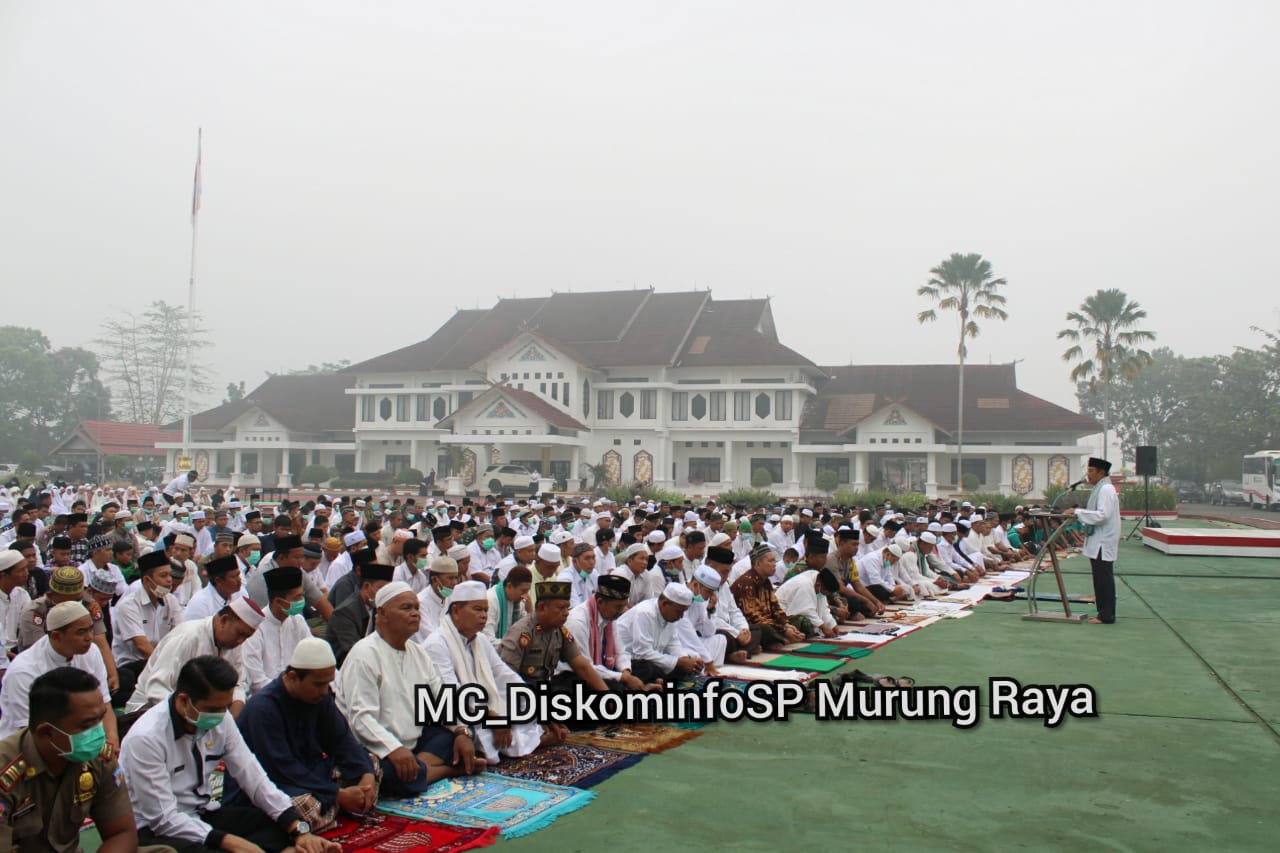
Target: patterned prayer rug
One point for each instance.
(573, 764)
(634, 737)
(515, 806)
(383, 833)
(826, 650)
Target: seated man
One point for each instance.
(508, 602)
(654, 650)
(698, 628)
(535, 646)
(289, 553)
(177, 758)
(593, 624)
(220, 635)
(580, 573)
(804, 598)
(306, 748)
(646, 582)
(223, 588)
(64, 738)
(353, 619)
(461, 659)
(268, 651)
(68, 643)
(433, 600)
(741, 640)
(146, 614)
(754, 595)
(376, 695)
(876, 570)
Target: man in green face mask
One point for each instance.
(268, 651)
(53, 773)
(178, 759)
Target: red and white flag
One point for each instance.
(195, 192)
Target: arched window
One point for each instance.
(439, 408)
(762, 405)
(698, 407)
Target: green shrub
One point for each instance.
(761, 478)
(315, 475)
(868, 499)
(970, 483)
(750, 498)
(827, 481)
(1052, 493)
(626, 494)
(411, 476)
(995, 500)
(381, 479)
(29, 461)
(1162, 498)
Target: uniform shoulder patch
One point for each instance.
(566, 633)
(37, 620)
(12, 773)
(525, 640)
(95, 611)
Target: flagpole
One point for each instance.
(191, 299)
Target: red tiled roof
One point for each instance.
(993, 402)
(114, 437)
(523, 399)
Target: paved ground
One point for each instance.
(1185, 752)
(1240, 513)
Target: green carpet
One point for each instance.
(1176, 759)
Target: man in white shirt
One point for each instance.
(268, 651)
(372, 695)
(463, 656)
(433, 601)
(878, 577)
(220, 635)
(176, 758)
(68, 643)
(580, 574)
(225, 586)
(646, 583)
(484, 555)
(654, 649)
(804, 598)
(145, 615)
(13, 596)
(1101, 518)
(179, 486)
(593, 624)
(412, 568)
(741, 640)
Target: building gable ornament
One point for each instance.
(532, 352)
(261, 420)
(500, 410)
(895, 418)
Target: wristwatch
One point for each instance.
(461, 730)
(299, 828)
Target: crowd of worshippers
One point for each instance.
(261, 658)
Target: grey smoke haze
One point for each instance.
(368, 167)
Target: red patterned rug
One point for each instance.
(384, 833)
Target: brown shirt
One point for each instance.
(31, 625)
(43, 812)
(534, 653)
(757, 601)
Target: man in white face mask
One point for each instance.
(146, 614)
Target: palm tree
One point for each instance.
(966, 285)
(1107, 318)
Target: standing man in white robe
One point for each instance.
(1101, 518)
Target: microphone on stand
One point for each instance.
(1077, 484)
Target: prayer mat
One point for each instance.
(826, 650)
(515, 806)
(808, 664)
(634, 737)
(573, 764)
(383, 833)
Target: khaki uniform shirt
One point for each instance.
(534, 653)
(41, 812)
(31, 625)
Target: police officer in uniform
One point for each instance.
(536, 644)
(59, 771)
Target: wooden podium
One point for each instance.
(1042, 520)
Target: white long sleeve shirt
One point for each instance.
(15, 691)
(1102, 516)
(799, 598)
(186, 641)
(651, 637)
(170, 774)
(267, 652)
(376, 692)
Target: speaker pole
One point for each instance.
(1146, 520)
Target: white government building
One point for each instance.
(678, 390)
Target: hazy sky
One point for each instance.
(369, 167)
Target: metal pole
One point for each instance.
(191, 299)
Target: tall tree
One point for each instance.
(966, 285)
(144, 359)
(46, 391)
(1106, 345)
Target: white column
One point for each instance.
(235, 471)
(726, 474)
(859, 483)
(931, 475)
(794, 483)
(574, 481)
(1006, 473)
(286, 478)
